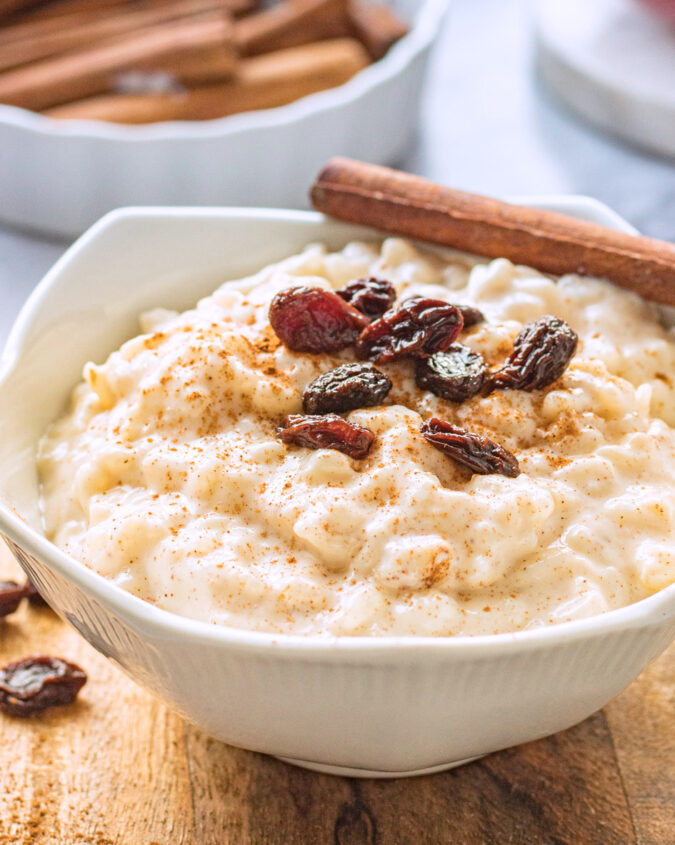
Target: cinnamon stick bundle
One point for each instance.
(409, 205)
(180, 59)
(266, 81)
(193, 50)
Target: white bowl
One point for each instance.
(60, 176)
(365, 706)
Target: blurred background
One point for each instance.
(489, 122)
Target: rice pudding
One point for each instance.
(166, 474)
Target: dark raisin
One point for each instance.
(32, 685)
(314, 320)
(371, 297)
(11, 595)
(541, 352)
(479, 454)
(33, 596)
(418, 328)
(471, 315)
(345, 388)
(455, 374)
(327, 432)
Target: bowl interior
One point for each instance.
(133, 260)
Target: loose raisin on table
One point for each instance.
(327, 432)
(479, 454)
(541, 352)
(11, 595)
(32, 685)
(417, 328)
(33, 595)
(371, 297)
(346, 388)
(456, 374)
(315, 320)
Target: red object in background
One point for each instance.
(665, 9)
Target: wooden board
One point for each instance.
(118, 768)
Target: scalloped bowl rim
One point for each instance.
(420, 37)
(140, 613)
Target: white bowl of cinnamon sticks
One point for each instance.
(106, 103)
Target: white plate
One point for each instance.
(613, 63)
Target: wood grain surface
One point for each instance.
(118, 768)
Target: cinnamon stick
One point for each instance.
(193, 50)
(291, 23)
(554, 243)
(59, 9)
(56, 7)
(37, 40)
(266, 81)
(376, 26)
(9, 6)
(35, 22)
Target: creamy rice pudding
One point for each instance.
(166, 474)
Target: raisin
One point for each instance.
(371, 297)
(471, 315)
(479, 454)
(455, 374)
(11, 595)
(315, 320)
(32, 685)
(327, 432)
(541, 352)
(418, 328)
(33, 595)
(345, 388)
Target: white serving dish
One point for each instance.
(613, 63)
(363, 706)
(61, 176)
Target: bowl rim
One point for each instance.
(422, 33)
(142, 615)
